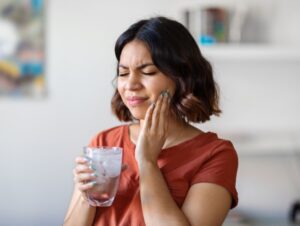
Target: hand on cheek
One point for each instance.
(154, 130)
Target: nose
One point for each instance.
(133, 82)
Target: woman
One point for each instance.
(176, 174)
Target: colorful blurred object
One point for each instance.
(214, 25)
(22, 47)
(10, 69)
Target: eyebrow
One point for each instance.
(139, 67)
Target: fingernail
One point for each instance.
(152, 104)
(94, 175)
(84, 159)
(92, 167)
(87, 160)
(93, 183)
(163, 93)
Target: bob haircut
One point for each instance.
(176, 54)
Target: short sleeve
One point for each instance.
(220, 168)
(96, 140)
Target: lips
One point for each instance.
(134, 101)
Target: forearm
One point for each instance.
(80, 213)
(159, 208)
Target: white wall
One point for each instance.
(259, 95)
(39, 139)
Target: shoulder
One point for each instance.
(211, 150)
(109, 136)
(211, 145)
(220, 165)
(112, 131)
(224, 149)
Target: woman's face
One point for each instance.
(139, 81)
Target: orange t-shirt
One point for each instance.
(204, 158)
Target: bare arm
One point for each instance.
(159, 208)
(80, 213)
(205, 204)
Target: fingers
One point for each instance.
(83, 168)
(148, 117)
(155, 117)
(84, 174)
(164, 112)
(81, 160)
(160, 112)
(84, 187)
(85, 177)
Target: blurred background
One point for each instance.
(252, 45)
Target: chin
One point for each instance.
(139, 115)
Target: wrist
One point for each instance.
(145, 165)
(84, 200)
(145, 160)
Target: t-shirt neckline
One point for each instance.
(130, 142)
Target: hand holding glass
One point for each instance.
(107, 162)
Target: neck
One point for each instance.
(175, 130)
(173, 124)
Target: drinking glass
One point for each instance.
(107, 162)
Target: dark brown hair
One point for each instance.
(176, 54)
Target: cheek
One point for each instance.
(156, 89)
(171, 87)
(120, 87)
(120, 90)
(164, 85)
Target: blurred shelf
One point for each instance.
(250, 52)
(277, 144)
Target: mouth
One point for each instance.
(135, 101)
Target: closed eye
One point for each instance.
(145, 73)
(123, 74)
(149, 73)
